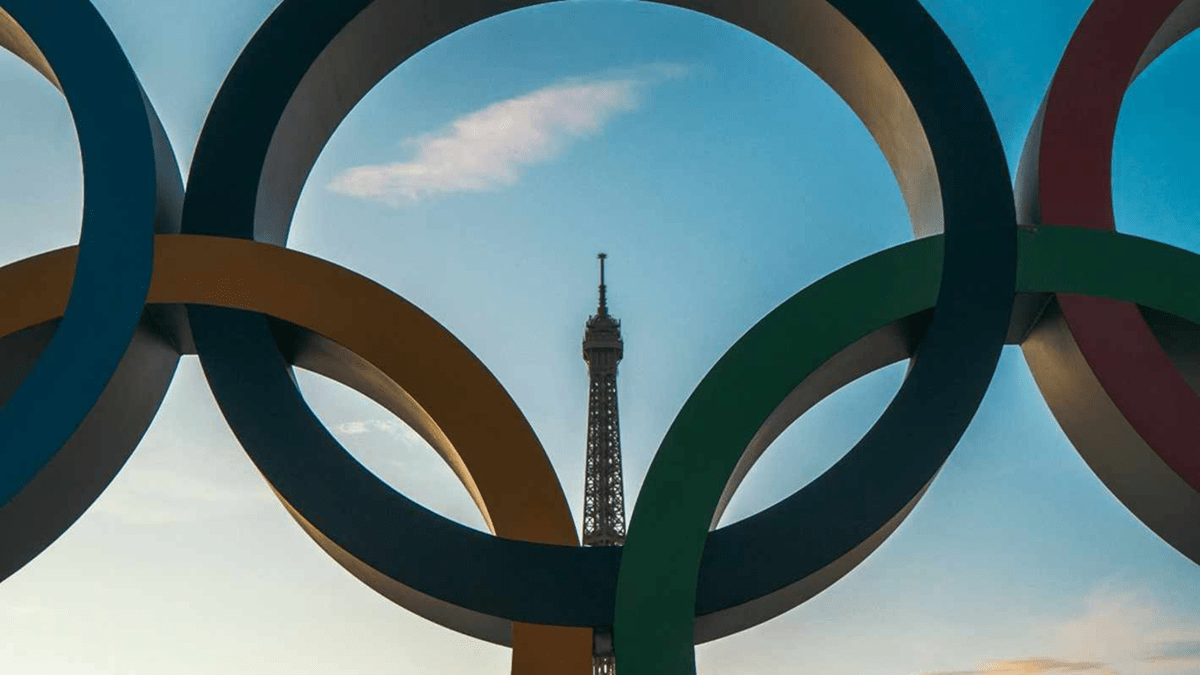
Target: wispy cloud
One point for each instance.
(398, 449)
(1035, 666)
(1128, 628)
(1176, 654)
(397, 454)
(489, 148)
(394, 428)
(1119, 633)
(360, 427)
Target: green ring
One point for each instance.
(707, 438)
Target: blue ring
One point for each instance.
(132, 189)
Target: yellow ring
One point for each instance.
(479, 430)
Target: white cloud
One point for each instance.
(397, 448)
(395, 428)
(1139, 634)
(1120, 633)
(359, 427)
(1035, 666)
(398, 455)
(489, 148)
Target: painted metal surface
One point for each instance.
(1117, 393)
(132, 189)
(885, 59)
(246, 276)
(92, 322)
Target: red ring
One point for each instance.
(1073, 186)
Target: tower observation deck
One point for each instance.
(604, 486)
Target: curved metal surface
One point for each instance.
(279, 106)
(87, 324)
(818, 533)
(101, 365)
(319, 330)
(294, 83)
(1114, 389)
(247, 276)
(336, 329)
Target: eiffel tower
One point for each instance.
(604, 487)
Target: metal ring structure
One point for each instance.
(102, 365)
(860, 500)
(321, 327)
(278, 108)
(261, 278)
(257, 309)
(296, 80)
(1116, 392)
(321, 330)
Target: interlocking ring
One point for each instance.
(78, 395)
(1118, 394)
(113, 333)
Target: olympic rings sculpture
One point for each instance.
(160, 272)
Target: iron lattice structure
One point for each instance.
(604, 486)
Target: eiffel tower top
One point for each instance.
(603, 330)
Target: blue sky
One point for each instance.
(478, 181)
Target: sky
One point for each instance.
(478, 181)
